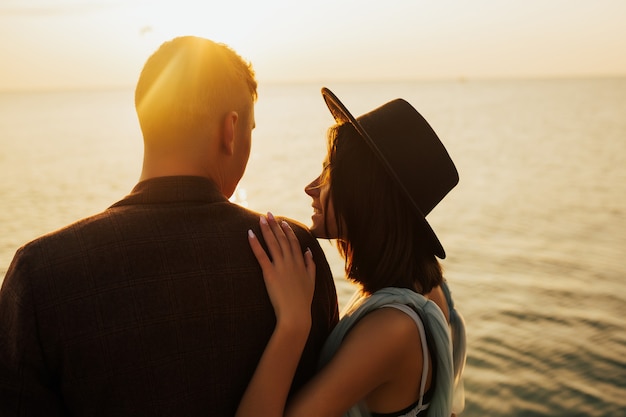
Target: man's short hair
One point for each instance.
(187, 81)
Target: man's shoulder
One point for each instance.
(62, 236)
(301, 231)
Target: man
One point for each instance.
(157, 305)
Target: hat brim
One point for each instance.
(342, 115)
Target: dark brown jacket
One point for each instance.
(154, 307)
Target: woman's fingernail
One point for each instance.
(251, 233)
(285, 224)
(263, 219)
(309, 251)
(270, 215)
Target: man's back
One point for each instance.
(156, 306)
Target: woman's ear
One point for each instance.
(228, 132)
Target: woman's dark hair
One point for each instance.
(384, 242)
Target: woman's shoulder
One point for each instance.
(386, 328)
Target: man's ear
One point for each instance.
(228, 132)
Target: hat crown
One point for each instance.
(411, 152)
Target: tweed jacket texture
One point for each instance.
(154, 307)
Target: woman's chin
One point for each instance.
(315, 232)
(317, 229)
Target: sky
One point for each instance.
(73, 44)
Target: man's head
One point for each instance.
(191, 92)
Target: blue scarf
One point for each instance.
(436, 327)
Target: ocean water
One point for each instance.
(535, 231)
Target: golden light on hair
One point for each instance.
(188, 84)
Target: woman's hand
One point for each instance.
(289, 275)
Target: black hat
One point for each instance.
(410, 151)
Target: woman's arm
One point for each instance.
(290, 280)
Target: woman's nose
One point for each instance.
(312, 189)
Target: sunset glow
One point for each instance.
(54, 44)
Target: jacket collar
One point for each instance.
(173, 189)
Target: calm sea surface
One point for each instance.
(535, 231)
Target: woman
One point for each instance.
(391, 354)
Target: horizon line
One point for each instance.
(459, 79)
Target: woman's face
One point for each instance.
(324, 224)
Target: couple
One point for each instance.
(159, 305)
